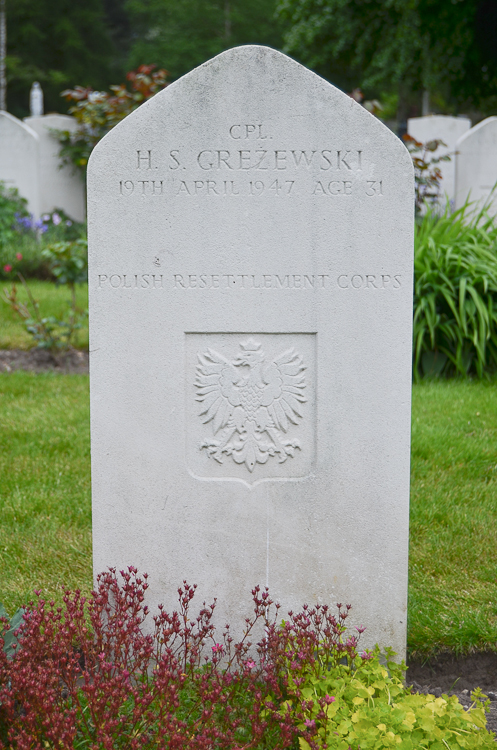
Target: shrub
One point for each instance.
(68, 264)
(455, 293)
(89, 674)
(12, 209)
(427, 173)
(22, 250)
(364, 704)
(98, 111)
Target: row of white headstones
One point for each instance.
(30, 162)
(471, 173)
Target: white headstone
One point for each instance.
(19, 159)
(449, 130)
(476, 166)
(60, 187)
(36, 100)
(251, 250)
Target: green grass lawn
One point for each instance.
(53, 301)
(45, 534)
(45, 519)
(453, 548)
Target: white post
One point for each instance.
(36, 100)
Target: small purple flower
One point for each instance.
(24, 222)
(366, 655)
(46, 217)
(310, 723)
(56, 219)
(329, 699)
(40, 226)
(68, 223)
(360, 629)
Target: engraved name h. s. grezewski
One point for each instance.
(251, 402)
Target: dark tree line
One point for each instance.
(386, 47)
(445, 47)
(63, 43)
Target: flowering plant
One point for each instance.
(104, 673)
(90, 674)
(55, 226)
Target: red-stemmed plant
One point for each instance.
(91, 674)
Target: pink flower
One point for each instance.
(367, 655)
(361, 629)
(18, 256)
(329, 699)
(250, 664)
(7, 268)
(218, 648)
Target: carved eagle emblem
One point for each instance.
(251, 403)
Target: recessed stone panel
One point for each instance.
(250, 405)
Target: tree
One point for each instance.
(404, 46)
(59, 43)
(181, 35)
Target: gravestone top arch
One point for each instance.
(60, 186)
(476, 166)
(447, 129)
(250, 250)
(19, 157)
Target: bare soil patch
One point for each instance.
(458, 676)
(72, 361)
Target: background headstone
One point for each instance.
(476, 165)
(59, 187)
(251, 248)
(449, 130)
(19, 157)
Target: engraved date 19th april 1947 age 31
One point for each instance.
(246, 188)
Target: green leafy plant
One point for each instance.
(455, 293)
(364, 703)
(48, 332)
(68, 262)
(12, 208)
(97, 112)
